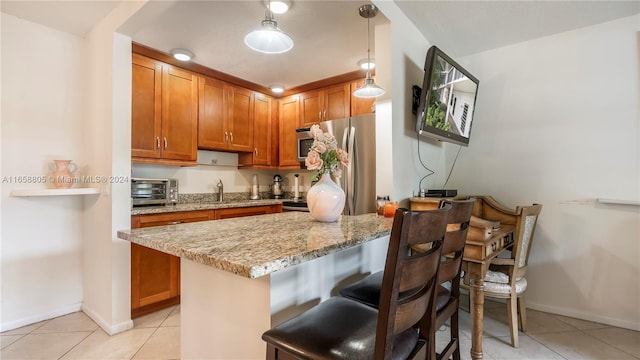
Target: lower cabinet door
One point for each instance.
(155, 280)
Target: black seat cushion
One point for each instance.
(366, 291)
(337, 328)
(442, 297)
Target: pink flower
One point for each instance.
(317, 133)
(324, 156)
(343, 157)
(313, 161)
(320, 147)
(331, 142)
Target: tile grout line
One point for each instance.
(78, 343)
(605, 342)
(145, 342)
(154, 331)
(545, 345)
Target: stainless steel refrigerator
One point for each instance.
(357, 136)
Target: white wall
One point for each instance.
(42, 103)
(408, 50)
(107, 140)
(556, 123)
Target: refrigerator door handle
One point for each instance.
(344, 181)
(352, 172)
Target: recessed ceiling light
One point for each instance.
(278, 7)
(182, 54)
(277, 89)
(367, 64)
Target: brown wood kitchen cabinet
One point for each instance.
(247, 211)
(226, 115)
(163, 113)
(261, 157)
(328, 103)
(212, 114)
(288, 120)
(155, 276)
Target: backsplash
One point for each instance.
(201, 180)
(228, 197)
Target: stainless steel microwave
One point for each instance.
(304, 140)
(146, 192)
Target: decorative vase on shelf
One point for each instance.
(325, 200)
(63, 174)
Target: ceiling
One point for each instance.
(330, 36)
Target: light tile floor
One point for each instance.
(157, 336)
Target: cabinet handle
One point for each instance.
(226, 137)
(165, 143)
(231, 137)
(158, 142)
(320, 115)
(256, 151)
(325, 115)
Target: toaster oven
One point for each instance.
(146, 192)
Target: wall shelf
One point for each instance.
(619, 202)
(54, 192)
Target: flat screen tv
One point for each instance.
(447, 99)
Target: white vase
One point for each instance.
(325, 200)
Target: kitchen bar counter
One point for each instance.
(239, 277)
(259, 245)
(207, 205)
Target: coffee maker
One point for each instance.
(276, 187)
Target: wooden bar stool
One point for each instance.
(340, 328)
(447, 297)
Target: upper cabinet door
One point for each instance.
(240, 118)
(328, 103)
(310, 108)
(337, 100)
(212, 114)
(179, 114)
(146, 99)
(289, 115)
(262, 130)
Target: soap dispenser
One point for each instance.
(255, 188)
(220, 187)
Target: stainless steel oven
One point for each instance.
(146, 192)
(305, 140)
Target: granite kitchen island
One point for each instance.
(239, 275)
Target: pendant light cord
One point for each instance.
(368, 48)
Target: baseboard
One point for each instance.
(632, 325)
(40, 317)
(108, 328)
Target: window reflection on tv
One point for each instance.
(447, 100)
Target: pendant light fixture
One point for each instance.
(268, 38)
(369, 89)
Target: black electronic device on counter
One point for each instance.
(441, 193)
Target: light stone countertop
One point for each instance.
(203, 206)
(259, 245)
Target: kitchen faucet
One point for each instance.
(220, 187)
